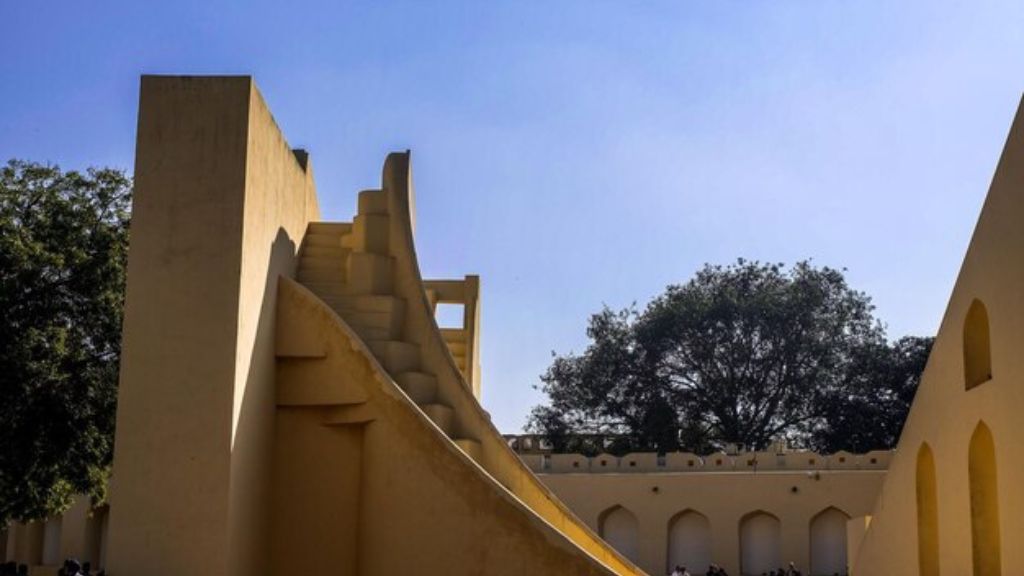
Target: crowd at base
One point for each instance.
(715, 570)
(71, 567)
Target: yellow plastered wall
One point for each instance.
(231, 455)
(956, 401)
(725, 499)
(220, 207)
(367, 484)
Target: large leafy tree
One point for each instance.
(63, 242)
(868, 411)
(745, 353)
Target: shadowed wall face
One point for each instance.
(977, 350)
(984, 504)
(927, 514)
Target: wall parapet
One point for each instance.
(550, 462)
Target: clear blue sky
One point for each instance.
(581, 153)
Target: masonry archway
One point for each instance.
(927, 513)
(760, 543)
(689, 542)
(96, 536)
(977, 346)
(620, 528)
(828, 542)
(985, 537)
(51, 541)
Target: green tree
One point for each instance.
(63, 242)
(869, 410)
(745, 353)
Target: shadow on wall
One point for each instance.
(977, 346)
(252, 447)
(927, 513)
(985, 543)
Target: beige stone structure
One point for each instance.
(951, 503)
(749, 512)
(289, 405)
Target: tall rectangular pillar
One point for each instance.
(220, 206)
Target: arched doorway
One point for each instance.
(760, 543)
(689, 542)
(828, 542)
(620, 529)
(927, 514)
(984, 503)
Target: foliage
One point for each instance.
(63, 242)
(869, 410)
(746, 354)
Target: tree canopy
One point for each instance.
(63, 244)
(746, 353)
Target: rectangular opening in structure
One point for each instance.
(449, 315)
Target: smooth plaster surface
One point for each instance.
(951, 406)
(725, 499)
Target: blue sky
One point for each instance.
(581, 153)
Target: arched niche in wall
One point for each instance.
(96, 536)
(620, 528)
(828, 542)
(11, 548)
(51, 541)
(985, 536)
(927, 513)
(977, 346)
(30, 542)
(760, 543)
(689, 542)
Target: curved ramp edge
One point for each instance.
(366, 481)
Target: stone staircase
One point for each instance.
(455, 338)
(349, 267)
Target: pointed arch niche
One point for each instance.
(828, 542)
(927, 513)
(689, 542)
(985, 543)
(977, 346)
(760, 543)
(620, 529)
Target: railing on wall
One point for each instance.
(538, 455)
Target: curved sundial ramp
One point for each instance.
(287, 403)
(385, 460)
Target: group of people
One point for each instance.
(716, 570)
(713, 570)
(791, 571)
(71, 567)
